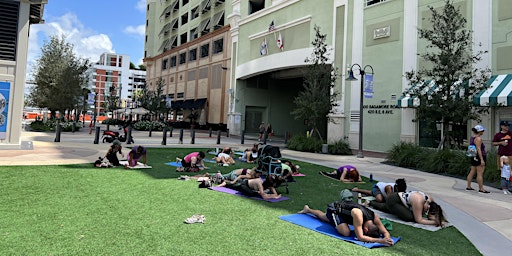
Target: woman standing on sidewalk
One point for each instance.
(477, 162)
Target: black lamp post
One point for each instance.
(361, 94)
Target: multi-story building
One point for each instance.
(17, 17)
(112, 76)
(267, 41)
(187, 48)
(380, 33)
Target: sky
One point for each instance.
(93, 27)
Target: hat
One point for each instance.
(504, 123)
(116, 142)
(479, 128)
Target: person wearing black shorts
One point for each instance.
(478, 161)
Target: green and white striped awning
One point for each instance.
(498, 92)
(408, 101)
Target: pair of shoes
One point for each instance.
(505, 192)
(483, 191)
(468, 189)
(196, 218)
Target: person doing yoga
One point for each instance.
(346, 173)
(367, 224)
(410, 206)
(381, 190)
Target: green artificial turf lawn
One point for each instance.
(81, 210)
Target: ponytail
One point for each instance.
(436, 211)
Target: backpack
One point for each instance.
(471, 151)
(346, 195)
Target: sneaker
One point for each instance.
(196, 218)
(505, 192)
(483, 191)
(469, 189)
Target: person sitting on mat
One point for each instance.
(410, 206)
(135, 154)
(250, 154)
(381, 190)
(257, 187)
(193, 162)
(367, 224)
(112, 152)
(239, 175)
(346, 173)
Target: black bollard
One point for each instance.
(150, 129)
(73, 127)
(97, 135)
(227, 133)
(170, 131)
(58, 129)
(164, 136)
(108, 127)
(210, 132)
(265, 136)
(193, 136)
(242, 138)
(129, 135)
(218, 136)
(180, 141)
(286, 134)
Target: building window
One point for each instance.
(164, 64)
(194, 13)
(372, 2)
(205, 50)
(180, 95)
(193, 34)
(184, 19)
(218, 45)
(171, 96)
(192, 54)
(173, 61)
(256, 5)
(183, 38)
(183, 58)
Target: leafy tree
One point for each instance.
(318, 98)
(111, 101)
(449, 65)
(132, 66)
(59, 77)
(154, 101)
(142, 67)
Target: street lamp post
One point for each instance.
(361, 94)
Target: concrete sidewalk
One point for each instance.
(485, 219)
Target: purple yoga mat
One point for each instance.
(237, 193)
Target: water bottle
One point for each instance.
(359, 198)
(371, 177)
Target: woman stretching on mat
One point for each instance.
(239, 175)
(381, 190)
(367, 224)
(224, 159)
(135, 154)
(257, 187)
(193, 162)
(410, 206)
(346, 173)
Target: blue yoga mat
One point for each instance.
(311, 222)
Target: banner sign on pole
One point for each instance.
(368, 86)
